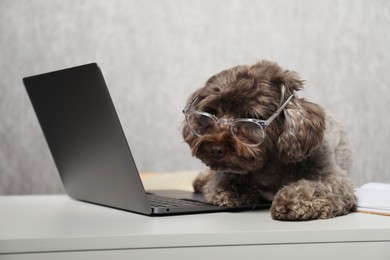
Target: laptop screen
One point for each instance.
(85, 137)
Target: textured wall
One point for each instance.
(155, 53)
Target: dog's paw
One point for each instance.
(221, 197)
(303, 201)
(201, 180)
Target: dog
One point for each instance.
(262, 143)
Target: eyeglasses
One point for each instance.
(249, 131)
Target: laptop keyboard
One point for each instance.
(165, 202)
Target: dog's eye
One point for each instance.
(249, 132)
(201, 123)
(205, 121)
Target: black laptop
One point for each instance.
(89, 148)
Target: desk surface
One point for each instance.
(57, 223)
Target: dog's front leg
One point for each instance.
(229, 189)
(314, 199)
(202, 179)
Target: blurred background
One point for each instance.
(154, 54)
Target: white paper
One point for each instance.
(374, 197)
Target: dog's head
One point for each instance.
(228, 120)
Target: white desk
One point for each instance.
(57, 227)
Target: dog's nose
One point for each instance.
(218, 151)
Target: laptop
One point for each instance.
(89, 148)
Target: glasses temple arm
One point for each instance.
(280, 109)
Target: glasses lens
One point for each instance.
(249, 132)
(200, 123)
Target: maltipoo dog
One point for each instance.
(263, 143)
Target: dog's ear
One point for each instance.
(303, 130)
(304, 122)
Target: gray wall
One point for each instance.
(154, 54)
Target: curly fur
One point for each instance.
(302, 164)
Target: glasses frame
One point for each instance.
(188, 110)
